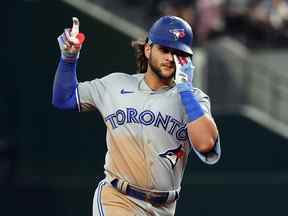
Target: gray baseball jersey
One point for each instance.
(146, 139)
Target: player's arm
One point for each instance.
(65, 94)
(203, 133)
(201, 128)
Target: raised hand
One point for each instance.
(184, 72)
(70, 42)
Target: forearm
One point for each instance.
(203, 133)
(65, 86)
(201, 128)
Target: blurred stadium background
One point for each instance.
(51, 161)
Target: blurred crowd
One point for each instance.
(257, 23)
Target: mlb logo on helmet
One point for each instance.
(178, 33)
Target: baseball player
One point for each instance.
(154, 119)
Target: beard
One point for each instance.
(157, 70)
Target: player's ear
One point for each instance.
(147, 50)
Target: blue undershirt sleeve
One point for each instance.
(65, 93)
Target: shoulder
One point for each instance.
(203, 99)
(199, 93)
(111, 80)
(120, 77)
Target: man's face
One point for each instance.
(161, 61)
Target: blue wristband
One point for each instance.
(192, 106)
(65, 86)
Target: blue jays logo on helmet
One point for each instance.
(172, 32)
(178, 33)
(173, 155)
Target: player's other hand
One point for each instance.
(70, 42)
(184, 72)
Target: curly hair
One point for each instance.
(141, 60)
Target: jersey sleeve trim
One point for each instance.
(212, 156)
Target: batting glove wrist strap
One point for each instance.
(70, 57)
(185, 86)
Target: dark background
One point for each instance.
(51, 161)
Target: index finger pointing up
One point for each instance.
(75, 27)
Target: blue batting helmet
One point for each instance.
(173, 32)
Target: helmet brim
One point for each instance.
(174, 45)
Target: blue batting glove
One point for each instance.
(70, 42)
